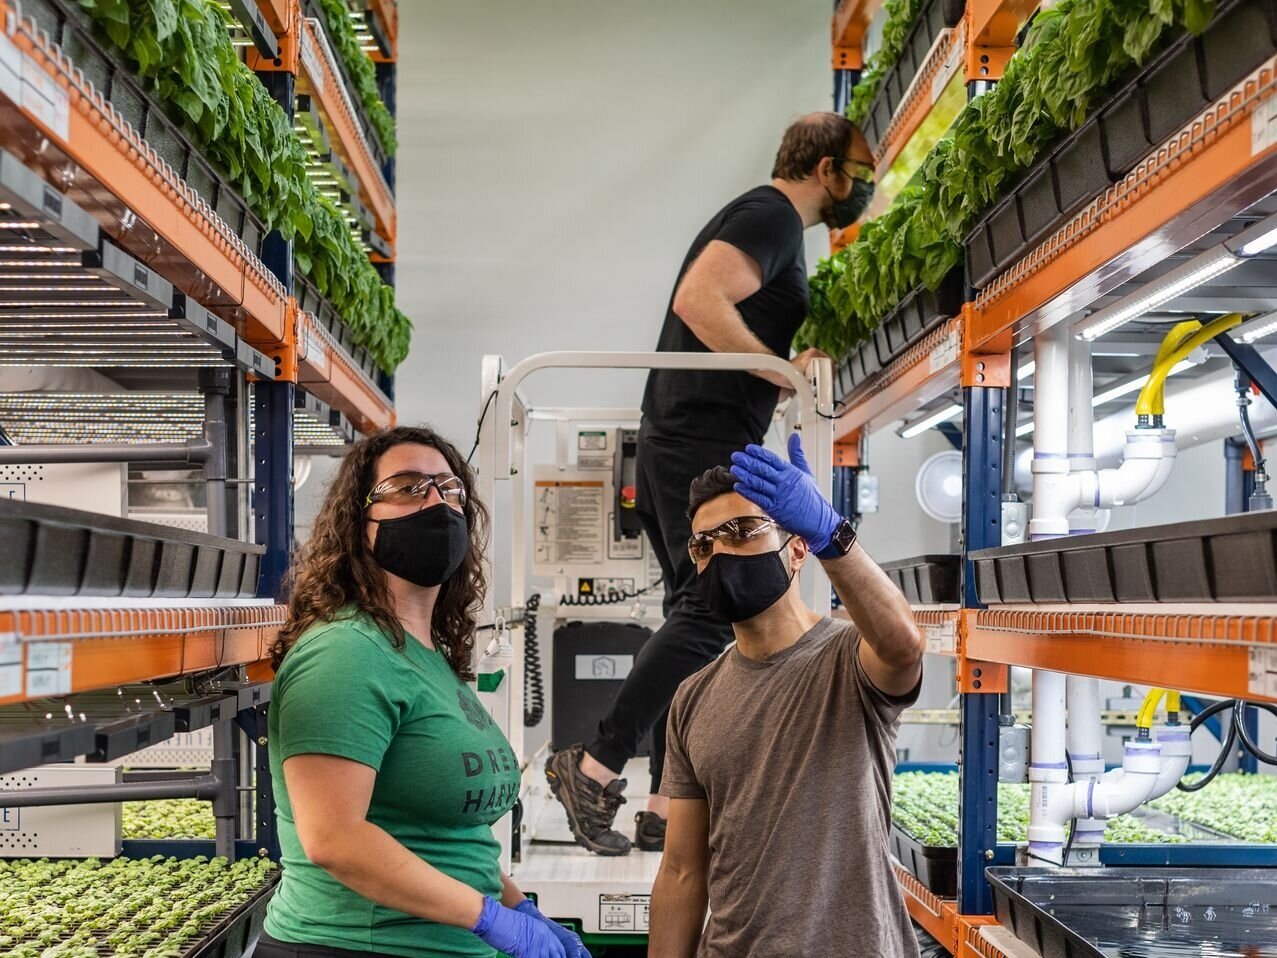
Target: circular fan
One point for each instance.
(939, 486)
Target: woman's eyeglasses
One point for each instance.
(408, 488)
(735, 533)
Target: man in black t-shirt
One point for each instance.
(742, 289)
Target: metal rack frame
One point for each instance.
(1215, 167)
(136, 226)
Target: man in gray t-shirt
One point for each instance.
(779, 755)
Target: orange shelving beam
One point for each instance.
(1217, 166)
(329, 374)
(929, 368)
(279, 14)
(78, 122)
(1213, 650)
(933, 913)
(387, 11)
(851, 20)
(66, 649)
(917, 106)
(320, 79)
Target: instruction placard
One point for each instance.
(942, 638)
(568, 522)
(624, 912)
(593, 450)
(1263, 672)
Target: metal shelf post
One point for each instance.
(978, 769)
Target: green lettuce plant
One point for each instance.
(184, 55)
(900, 18)
(360, 69)
(1072, 56)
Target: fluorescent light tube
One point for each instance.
(1259, 243)
(1258, 328)
(1025, 371)
(922, 425)
(1180, 280)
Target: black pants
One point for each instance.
(268, 947)
(692, 635)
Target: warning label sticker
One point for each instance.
(568, 522)
(624, 912)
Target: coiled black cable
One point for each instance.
(612, 598)
(1236, 719)
(533, 680)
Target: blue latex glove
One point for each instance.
(516, 934)
(786, 491)
(571, 942)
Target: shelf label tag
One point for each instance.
(946, 353)
(952, 64)
(1263, 672)
(942, 638)
(48, 669)
(316, 354)
(1263, 126)
(10, 69)
(312, 62)
(44, 99)
(10, 665)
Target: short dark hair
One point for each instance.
(809, 140)
(710, 484)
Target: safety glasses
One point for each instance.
(408, 488)
(855, 169)
(736, 533)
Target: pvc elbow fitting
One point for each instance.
(1141, 766)
(1177, 752)
(1147, 460)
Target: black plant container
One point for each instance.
(1039, 205)
(1233, 559)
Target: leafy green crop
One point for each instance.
(900, 18)
(1074, 53)
(925, 804)
(176, 818)
(145, 908)
(1240, 805)
(361, 70)
(181, 50)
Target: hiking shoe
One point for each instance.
(591, 808)
(649, 832)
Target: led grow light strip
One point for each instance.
(1258, 328)
(944, 415)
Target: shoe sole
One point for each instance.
(560, 793)
(650, 846)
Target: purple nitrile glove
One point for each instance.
(786, 491)
(516, 934)
(571, 942)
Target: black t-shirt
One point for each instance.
(735, 406)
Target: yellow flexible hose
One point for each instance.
(1145, 406)
(1170, 342)
(1172, 704)
(1145, 718)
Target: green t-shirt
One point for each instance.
(445, 774)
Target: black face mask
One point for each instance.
(844, 213)
(741, 587)
(425, 547)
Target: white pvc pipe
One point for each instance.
(1177, 751)
(1054, 496)
(1049, 803)
(1081, 434)
(1148, 459)
(1085, 747)
(1122, 790)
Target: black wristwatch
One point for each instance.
(840, 542)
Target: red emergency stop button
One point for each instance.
(628, 494)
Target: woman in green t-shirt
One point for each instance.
(388, 771)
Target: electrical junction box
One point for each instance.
(1013, 753)
(61, 831)
(591, 662)
(1015, 523)
(866, 493)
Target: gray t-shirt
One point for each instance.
(794, 756)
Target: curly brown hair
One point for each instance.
(336, 568)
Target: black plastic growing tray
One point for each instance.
(308, 299)
(936, 866)
(48, 550)
(1163, 912)
(918, 314)
(932, 21)
(1233, 559)
(68, 26)
(1153, 103)
(232, 936)
(927, 580)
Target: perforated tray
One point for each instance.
(48, 550)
